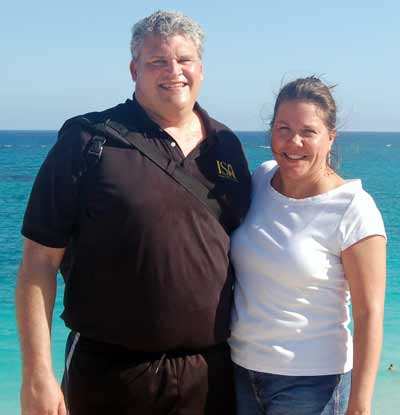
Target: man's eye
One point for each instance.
(158, 62)
(185, 61)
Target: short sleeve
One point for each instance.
(361, 219)
(52, 208)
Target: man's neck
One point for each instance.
(177, 120)
(185, 127)
(173, 117)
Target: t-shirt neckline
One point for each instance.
(350, 184)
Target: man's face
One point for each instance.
(168, 75)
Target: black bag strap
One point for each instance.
(116, 131)
(172, 168)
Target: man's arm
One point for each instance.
(365, 268)
(35, 296)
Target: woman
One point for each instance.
(310, 240)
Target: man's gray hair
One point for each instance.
(166, 24)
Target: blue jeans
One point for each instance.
(260, 393)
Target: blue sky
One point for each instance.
(62, 59)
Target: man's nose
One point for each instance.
(174, 66)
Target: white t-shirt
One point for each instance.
(291, 310)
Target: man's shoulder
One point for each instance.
(215, 126)
(121, 113)
(219, 127)
(226, 136)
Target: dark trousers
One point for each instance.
(108, 379)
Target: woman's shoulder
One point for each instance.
(364, 203)
(268, 165)
(362, 217)
(355, 190)
(265, 169)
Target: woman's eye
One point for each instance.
(309, 132)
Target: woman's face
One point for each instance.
(301, 141)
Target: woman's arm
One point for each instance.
(365, 269)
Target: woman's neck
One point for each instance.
(308, 187)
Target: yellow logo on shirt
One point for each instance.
(226, 171)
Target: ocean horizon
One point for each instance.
(371, 156)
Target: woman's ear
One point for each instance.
(332, 135)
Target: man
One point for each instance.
(147, 296)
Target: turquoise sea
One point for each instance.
(373, 157)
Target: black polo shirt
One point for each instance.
(151, 268)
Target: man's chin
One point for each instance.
(179, 104)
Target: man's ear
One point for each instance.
(133, 69)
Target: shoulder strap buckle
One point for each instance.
(95, 149)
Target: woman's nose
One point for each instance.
(296, 139)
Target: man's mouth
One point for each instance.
(173, 85)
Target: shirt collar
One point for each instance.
(136, 116)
